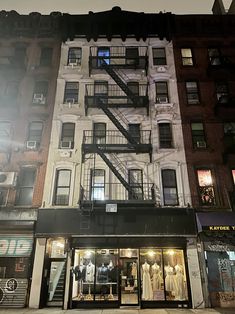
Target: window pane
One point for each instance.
(63, 178)
(159, 56)
(46, 56)
(97, 184)
(206, 188)
(233, 174)
(75, 56)
(25, 187)
(162, 92)
(169, 187)
(71, 92)
(165, 135)
(35, 131)
(192, 92)
(222, 92)
(187, 58)
(103, 54)
(62, 189)
(41, 87)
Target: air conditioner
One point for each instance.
(73, 62)
(161, 69)
(7, 179)
(201, 144)
(162, 100)
(66, 144)
(39, 99)
(70, 101)
(31, 144)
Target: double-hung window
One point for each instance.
(159, 56)
(162, 92)
(62, 187)
(99, 133)
(46, 56)
(135, 178)
(198, 135)
(71, 93)
(75, 56)
(25, 186)
(192, 93)
(34, 135)
(5, 135)
(214, 56)
(67, 135)
(169, 184)
(97, 184)
(222, 92)
(132, 55)
(165, 135)
(40, 92)
(103, 54)
(187, 56)
(206, 187)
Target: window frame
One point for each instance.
(162, 97)
(45, 57)
(214, 60)
(136, 187)
(157, 58)
(212, 185)
(99, 135)
(185, 59)
(165, 138)
(35, 138)
(201, 135)
(222, 91)
(71, 93)
(170, 187)
(100, 187)
(64, 138)
(76, 58)
(21, 189)
(192, 92)
(57, 187)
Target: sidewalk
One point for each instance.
(117, 311)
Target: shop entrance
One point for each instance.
(129, 281)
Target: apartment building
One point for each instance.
(116, 226)
(205, 63)
(29, 56)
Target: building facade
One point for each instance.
(29, 55)
(205, 63)
(116, 227)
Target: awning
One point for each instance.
(216, 222)
(138, 222)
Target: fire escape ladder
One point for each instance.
(120, 117)
(121, 83)
(116, 122)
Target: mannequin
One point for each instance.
(179, 281)
(90, 272)
(102, 274)
(134, 273)
(169, 280)
(80, 272)
(147, 292)
(156, 276)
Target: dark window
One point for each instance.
(101, 90)
(99, 133)
(40, 92)
(97, 184)
(12, 89)
(5, 135)
(25, 186)
(187, 56)
(75, 56)
(170, 194)
(103, 54)
(162, 93)
(206, 187)
(159, 56)
(135, 178)
(192, 93)
(229, 135)
(134, 131)
(71, 92)
(62, 187)
(198, 135)
(132, 55)
(165, 135)
(214, 56)
(134, 88)
(35, 134)
(67, 135)
(20, 56)
(46, 56)
(222, 92)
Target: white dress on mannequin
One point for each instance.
(169, 280)
(147, 293)
(156, 276)
(179, 282)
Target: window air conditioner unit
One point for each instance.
(161, 69)
(70, 101)
(162, 100)
(66, 144)
(39, 99)
(201, 144)
(7, 179)
(31, 144)
(73, 62)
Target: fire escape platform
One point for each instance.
(117, 148)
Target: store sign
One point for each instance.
(219, 228)
(111, 208)
(15, 246)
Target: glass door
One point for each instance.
(129, 277)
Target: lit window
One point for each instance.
(97, 184)
(187, 57)
(169, 185)
(62, 187)
(159, 56)
(192, 93)
(233, 174)
(103, 54)
(206, 187)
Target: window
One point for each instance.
(46, 56)
(233, 175)
(222, 92)
(192, 93)
(12, 89)
(25, 186)
(99, 133)
(169, 185)
(67, 135)
(165, 135)
(206, 187)
(198, 135)
(71, 92)
(159, 56)
(35, 134)
(229, 135)
(20, 54)
(5, 134)
(62, 187)
(214, 56)
(75, 56)
(40, 92)
(97, 184)
(134, 88)
(103, 54)
(134, 131)
(135, 178)
(187, 56)
(101, 90)
(132, 55)
(162, 93)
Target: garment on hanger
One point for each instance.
(90, 272)
(79, 272)
(156, 277)
(102, 274)
(147, 292)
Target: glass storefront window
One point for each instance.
(56, 248)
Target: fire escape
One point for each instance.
(113, 99)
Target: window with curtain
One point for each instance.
(206, 187)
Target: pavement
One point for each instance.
(117, 311)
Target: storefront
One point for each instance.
(122, 261)
(15, 269)
(217, 236)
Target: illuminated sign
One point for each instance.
(219, 228)
(15, 246)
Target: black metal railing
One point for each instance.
(117, 192)
(221, 63)
(114, 137)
